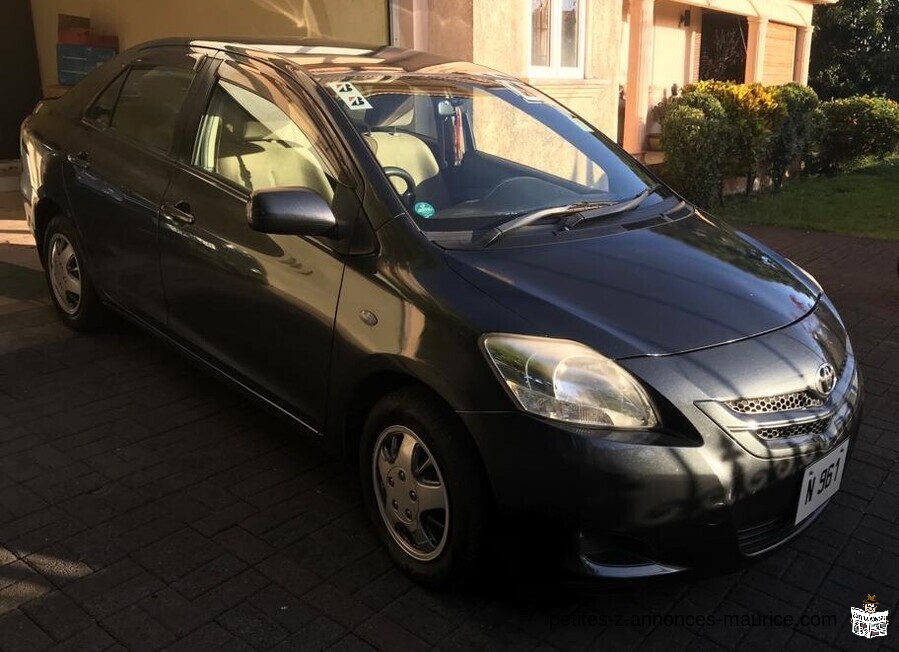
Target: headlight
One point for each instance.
(567, 381)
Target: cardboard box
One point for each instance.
(76, 30)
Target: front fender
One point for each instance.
(409, 315)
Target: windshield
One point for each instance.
(469, 152)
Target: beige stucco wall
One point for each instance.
(673, 48)
(451, 29)
(135, 21)
(496, 33)
(790, 12)
(595, 97)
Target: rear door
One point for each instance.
(119, 169)
(262, 306)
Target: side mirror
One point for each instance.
(290, 211)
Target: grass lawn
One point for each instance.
(863, 202)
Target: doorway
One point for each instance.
(20, 78)
(722, 53)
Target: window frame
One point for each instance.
(555, 69)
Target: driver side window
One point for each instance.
(250, 141)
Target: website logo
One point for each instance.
(867, 621)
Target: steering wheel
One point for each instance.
(409, 194)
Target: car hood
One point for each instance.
(678, 286)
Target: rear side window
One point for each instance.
(150, 103)
(100, 112)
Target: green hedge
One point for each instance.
(795, 131)
(854, 128)
(715, 130)
(751, 113)
(694, 131)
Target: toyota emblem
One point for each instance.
(825, 379)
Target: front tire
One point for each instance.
(424, 488)
(71, 287)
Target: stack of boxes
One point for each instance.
(79, 50)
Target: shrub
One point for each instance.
(751, 113)
(698, 99)
(817, 130)
(795, 128)
(692, 137)
(857, 127)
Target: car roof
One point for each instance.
(320, 57)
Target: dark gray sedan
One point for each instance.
(436, 269)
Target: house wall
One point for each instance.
(451, 29)
(595, 97)
(135, 21)
(675, 49)
(497, 34)
(660, 52)
(790, 12)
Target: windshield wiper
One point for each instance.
(536, 216)
(611, 209)
(581, 211)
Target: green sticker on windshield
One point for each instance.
(424, 209)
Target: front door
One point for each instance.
(263, 306)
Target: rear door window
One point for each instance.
(150, 103)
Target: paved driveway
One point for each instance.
(143, 505)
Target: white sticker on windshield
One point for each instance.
(350, 95)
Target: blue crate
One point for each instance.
(73, 62)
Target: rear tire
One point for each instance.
(70, 284)
(424, 488)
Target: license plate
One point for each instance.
(821, 481)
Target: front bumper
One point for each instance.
(633, 504)
(633, 510)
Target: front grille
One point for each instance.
(793, 430)
(779, 403)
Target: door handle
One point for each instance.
(178, 212)
(81, 160)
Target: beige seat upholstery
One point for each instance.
(402, 150)
(277, 165)
(260, 160)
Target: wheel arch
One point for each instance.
(45, 210)
(374, 386)
(364, 395)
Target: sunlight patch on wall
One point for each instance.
(302, 16)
